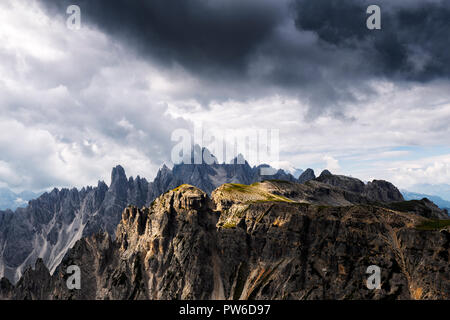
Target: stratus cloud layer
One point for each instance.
(73, 104)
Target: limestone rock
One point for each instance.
(263, 244)
(307, 175)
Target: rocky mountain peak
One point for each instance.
(239, 159)
(164, 168)
(377, 190)
(188, 197)
(118, 175)
(344, 182)
(101, 189)
(307, 175)
(164, 173)
(325, 173)
(51, 224)
(267, 244)
(383, 190)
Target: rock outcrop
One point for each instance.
(269, 240)
(307, 175)
(383, 191)
(377, 190)
(51, 224)
(424, 208)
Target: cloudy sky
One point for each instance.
(366, 103)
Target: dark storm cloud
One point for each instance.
(413, 42)
(200, 35)
(78, 103)
(245, 49)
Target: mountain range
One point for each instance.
(47, 229)
(52, 223)
(269, 240)
(441, 203)
(441, 190)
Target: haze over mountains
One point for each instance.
(441, 203)
(54, 222)
(440, 190)
(11, 200)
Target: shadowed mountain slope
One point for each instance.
(251, 242)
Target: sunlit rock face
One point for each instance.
(269, 240)
(50, 225)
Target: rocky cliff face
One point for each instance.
(51, 224)
(307, 175)
(377, 190)
(269, 240)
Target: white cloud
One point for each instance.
(75, 103)
(332, 164)
(367, 136)
(433, 170)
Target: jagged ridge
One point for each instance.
(183, 247)
(51, 225)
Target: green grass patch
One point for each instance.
(252, 193)
(435, 224)
(229, 225)
(240, 213)
(179, 187)
(237, 187)
(270, 198)
(277, 181)
(406, 206)
(278, 198)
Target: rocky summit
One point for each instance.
(267, 240)
(50, 225)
